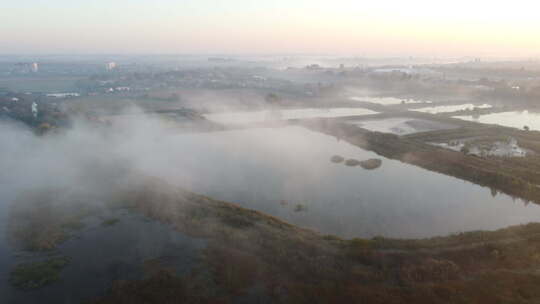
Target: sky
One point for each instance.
(341, 27)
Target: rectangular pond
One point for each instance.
(515, 119)
(401, 125)
(284, 114)
(388, 101)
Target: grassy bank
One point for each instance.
(255, 257)
(517, 177)
(251, 252)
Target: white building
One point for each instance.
(34, 109)
(110, 66)
(63, 95)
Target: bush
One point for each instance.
(337, 159)
(37, 274)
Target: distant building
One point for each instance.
(34, 109)
(26, 67)
(259, 78)
(508, 149)
(110, 66)
(122, 89)
(313, 67)
(63, 95)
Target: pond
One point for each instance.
(284, 114)
(387, 101)
(286, 172)
(517, 119)
(401, 125)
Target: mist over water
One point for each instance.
(518, 119)
(272, 170)
(157, 152)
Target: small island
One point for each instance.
(337, 159)
(369, 164)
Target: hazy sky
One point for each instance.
(345, 27)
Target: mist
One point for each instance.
(206, 151)
(87, 159)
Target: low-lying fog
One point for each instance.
(272, 170)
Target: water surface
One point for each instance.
(401, 125)
(275, 170)
(517, 119)
(273, 115)
(100, 255)
(388, 100)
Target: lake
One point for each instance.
(275, 170)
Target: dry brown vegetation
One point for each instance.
(254, 257)
(285, 264)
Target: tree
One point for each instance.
(272, 98)
(526, 128)
(43, 128)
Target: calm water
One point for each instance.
(259, 168)
(517, 119)
(400, 125)
(269, 115)
(451, 108)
